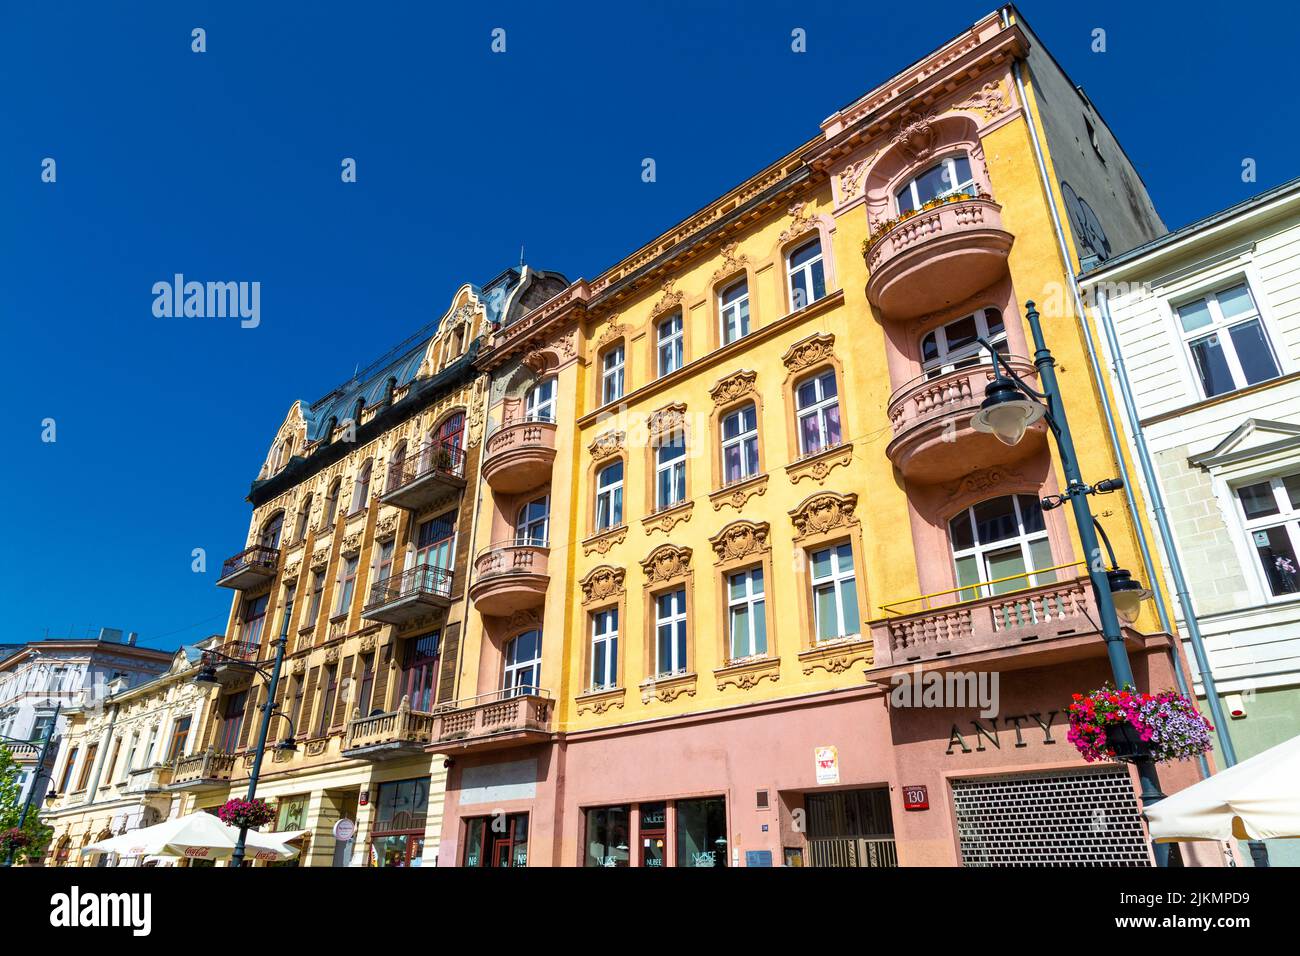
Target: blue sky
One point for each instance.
(225, 166)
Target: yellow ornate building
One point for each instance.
(733, 498)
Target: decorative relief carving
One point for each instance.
(669, 298)
(602, 542)
(665, 563)
(665, 521)
(352, 543)
(739, 540)
(823, 512)
(915, 135)
(733, 387)
(607, 444)
(809, 351)
(291, 569)
(819, 466)
(746, 675)
(799, 222)
(297, 666)
(523, 620)
(668, 689)
(602, 583)
(600, 703)
(319, 558)
(738, 495)
(837, 658)
(983, 480)
(988, 100)
(731, 262)
(666, 420)
(614, 330)
(386, 528)
(367, 643)
(332, 655)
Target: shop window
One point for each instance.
(500, 841)
(702, 832)
(608, 836)
(1229, 346)
(1272, 519)
(291, 813)
(397, 835)
(654, 834)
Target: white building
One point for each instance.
(1207, 324)
(46, 676)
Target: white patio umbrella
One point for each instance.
(197, 836)
(1258, 799)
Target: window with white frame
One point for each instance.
(740, 444)
(953, 346)
(523, 664)
(818, 408)
(670, 633)
(1227, 341)
(998, 544)
(670, 470)
(671, 339)
(1271, 510)
(733, 309)
(834, 593)
(806, 273)
(746, 614)
(539, 403)
(950, 175)
(604, 649)
(611, 375)
(532, 526)
(609, 496)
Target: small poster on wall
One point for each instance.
(828, 765)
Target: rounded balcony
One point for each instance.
(510, 576)
(937, 257)
(517, 457)
(931, 418)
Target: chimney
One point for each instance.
(131, 638)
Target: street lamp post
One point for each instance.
(40, 772)
(1009, 408)
(207, 675)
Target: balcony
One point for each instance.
(248, 569)
(933, 439)
(228, 661)
(518, 455)
(1047, 623)
(433, 474)
(148, 780)
(398, 733)
(209, 770)
(504, 718)
(510, 576)
(937, 257)
(413, 593)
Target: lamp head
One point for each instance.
(1127, 594)
(1006, 411)
(207, 674)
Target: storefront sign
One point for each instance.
(344, 829)
(828, 765)
(989, 733)
(916, 798)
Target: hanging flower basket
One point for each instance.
(246, 813)
(13, 839)
(1125, 724)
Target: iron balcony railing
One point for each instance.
(258, 556)
(424, 579)
(446, 459)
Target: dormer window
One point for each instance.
(944, 178)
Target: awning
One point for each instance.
(1258, 799)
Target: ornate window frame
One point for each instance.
(667, 568)
(823, 519)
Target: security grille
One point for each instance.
(1073, 818)
(850, 828)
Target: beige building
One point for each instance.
(116, 758)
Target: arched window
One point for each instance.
(952, 346)
(671, 340)
(304, 517)
(998, 544)
(806, 273)
(396, 462)
(817, 404)
(950, 175)
(331, 504)
(740, 444)
(523, 664)
(733, 310)
(612, 365)
(609, 496)
(539, 403)
(270, 534)
(532, 525)
(361, 489)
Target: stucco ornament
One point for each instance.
(602, 583)
(800, 222)
(351, 543)
(601, 543)
(386, 527)
(809, 351)
(666, 420)
(824, 512)
(730, 262)
(613, 330)
(982, 480)
(669, 298)
(988, 100)
(739, 540)
(319, 558)
(733, 387)
(666, 562)
(915, 135)
(607, 444)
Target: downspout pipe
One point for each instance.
(1143, 544)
